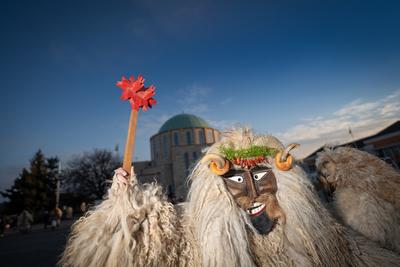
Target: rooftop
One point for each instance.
(183, 121)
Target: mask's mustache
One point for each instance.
(262, 223)
(272, 209)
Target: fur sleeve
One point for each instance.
(131, 227)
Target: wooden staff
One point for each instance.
(130, 141)
(140, 97)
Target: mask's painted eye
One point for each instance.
(237, 179)
(258, 176)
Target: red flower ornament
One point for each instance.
(138, 95)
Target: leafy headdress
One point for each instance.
(243, 149)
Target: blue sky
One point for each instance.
(302, 70)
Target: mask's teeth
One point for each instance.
(256, 210)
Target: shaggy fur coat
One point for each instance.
(136, 226)
(366, 193)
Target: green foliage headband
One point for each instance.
(247, 157)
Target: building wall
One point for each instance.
(148, 172)
(383, 142)
(184, 159)
(173, 154)
(385, 145)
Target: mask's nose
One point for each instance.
(251, 188)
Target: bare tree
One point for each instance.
(87, 174)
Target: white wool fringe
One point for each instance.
(136, 226)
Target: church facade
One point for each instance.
(175, 148)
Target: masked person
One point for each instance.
(249, 204)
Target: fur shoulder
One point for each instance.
(131, 227)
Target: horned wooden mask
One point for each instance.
(248, 176)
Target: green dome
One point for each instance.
(183, 121)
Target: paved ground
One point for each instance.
(39, 248)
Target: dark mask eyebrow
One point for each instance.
(259, 169)
(233, 172)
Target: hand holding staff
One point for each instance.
(140, 97)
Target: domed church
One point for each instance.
(174, 150)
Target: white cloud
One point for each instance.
(362, 117)
(312, 119)
(390, 109)
(222, 124)
(194, 99)
(150, 124)
(357, 108)
(394, 95)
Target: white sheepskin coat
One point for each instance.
(136, 226)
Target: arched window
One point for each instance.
(186, 158)
(188, 138)
(201, 137)
(176, 138)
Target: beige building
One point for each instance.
(174, 150)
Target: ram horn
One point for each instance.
(283, 160)
(218, 165)
(285, 153)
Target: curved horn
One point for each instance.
(285, 152)
(218, 164)
(283, 160)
